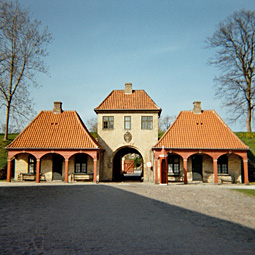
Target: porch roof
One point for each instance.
(49, 130)
(200, 131)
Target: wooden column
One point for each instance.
(185, 169)
(8, 179)
(95, 170)
(215, 170)
(66, 169)
(245, 171)
(38, 170)
(156, 170)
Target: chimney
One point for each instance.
(128, 88)
(197, 107)
(57, 107)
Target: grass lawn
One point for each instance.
(250, 192)
(249, 139)
(3, 151)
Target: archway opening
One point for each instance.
(197, 167)
(127, 165)
(57, 167)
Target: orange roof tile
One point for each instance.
(118, 100)
(55, 131)
(200, 131)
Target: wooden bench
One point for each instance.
(81, 177)
(30, 177)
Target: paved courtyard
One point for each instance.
(125, 218)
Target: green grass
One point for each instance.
(250, 192)
(3, 151)
(249, 139)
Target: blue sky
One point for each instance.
(158, 45)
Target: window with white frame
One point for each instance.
(81, 163)
(108, 122)
(222, 164)
(127, 122)
(173, 164)
(146, 122)
(31, 164)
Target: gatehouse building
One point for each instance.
(197, 147)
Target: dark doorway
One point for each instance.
(57, 167)
(122, 172)
(197, 168)
(164, 172)
(242, 171)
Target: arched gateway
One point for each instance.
(127, 165)
(127, 119)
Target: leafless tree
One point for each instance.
(234, 42)
(22, 50)
(165, 122)
(92, 124)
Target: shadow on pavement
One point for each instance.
(98, 219)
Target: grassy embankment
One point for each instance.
(250, 192)
(3, 151)
(249, 139)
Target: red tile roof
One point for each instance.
(118, 100)
(55, 131)
(200, 131)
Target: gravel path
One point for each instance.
(129, 218)
(219, 201)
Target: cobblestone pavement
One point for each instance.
(128, 218)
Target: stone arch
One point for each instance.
(20, 163)
(53, 166)
(84, 161)
(175, 167)
(117, 164)
(200, 167)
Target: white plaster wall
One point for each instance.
(234, 167)
(46, 167)
(21, 165)
(112, 140)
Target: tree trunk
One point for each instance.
(248, 119)
(7, 122)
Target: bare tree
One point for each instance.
(165, 122)
(22, 49)
(92, 124)
(234, 41)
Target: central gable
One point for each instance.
(128, 99)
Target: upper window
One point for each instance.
(173, 164)
(31, 164)
(127, 122)
(108, 122)
(146, 122)
(223, 164)
(81, 163)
